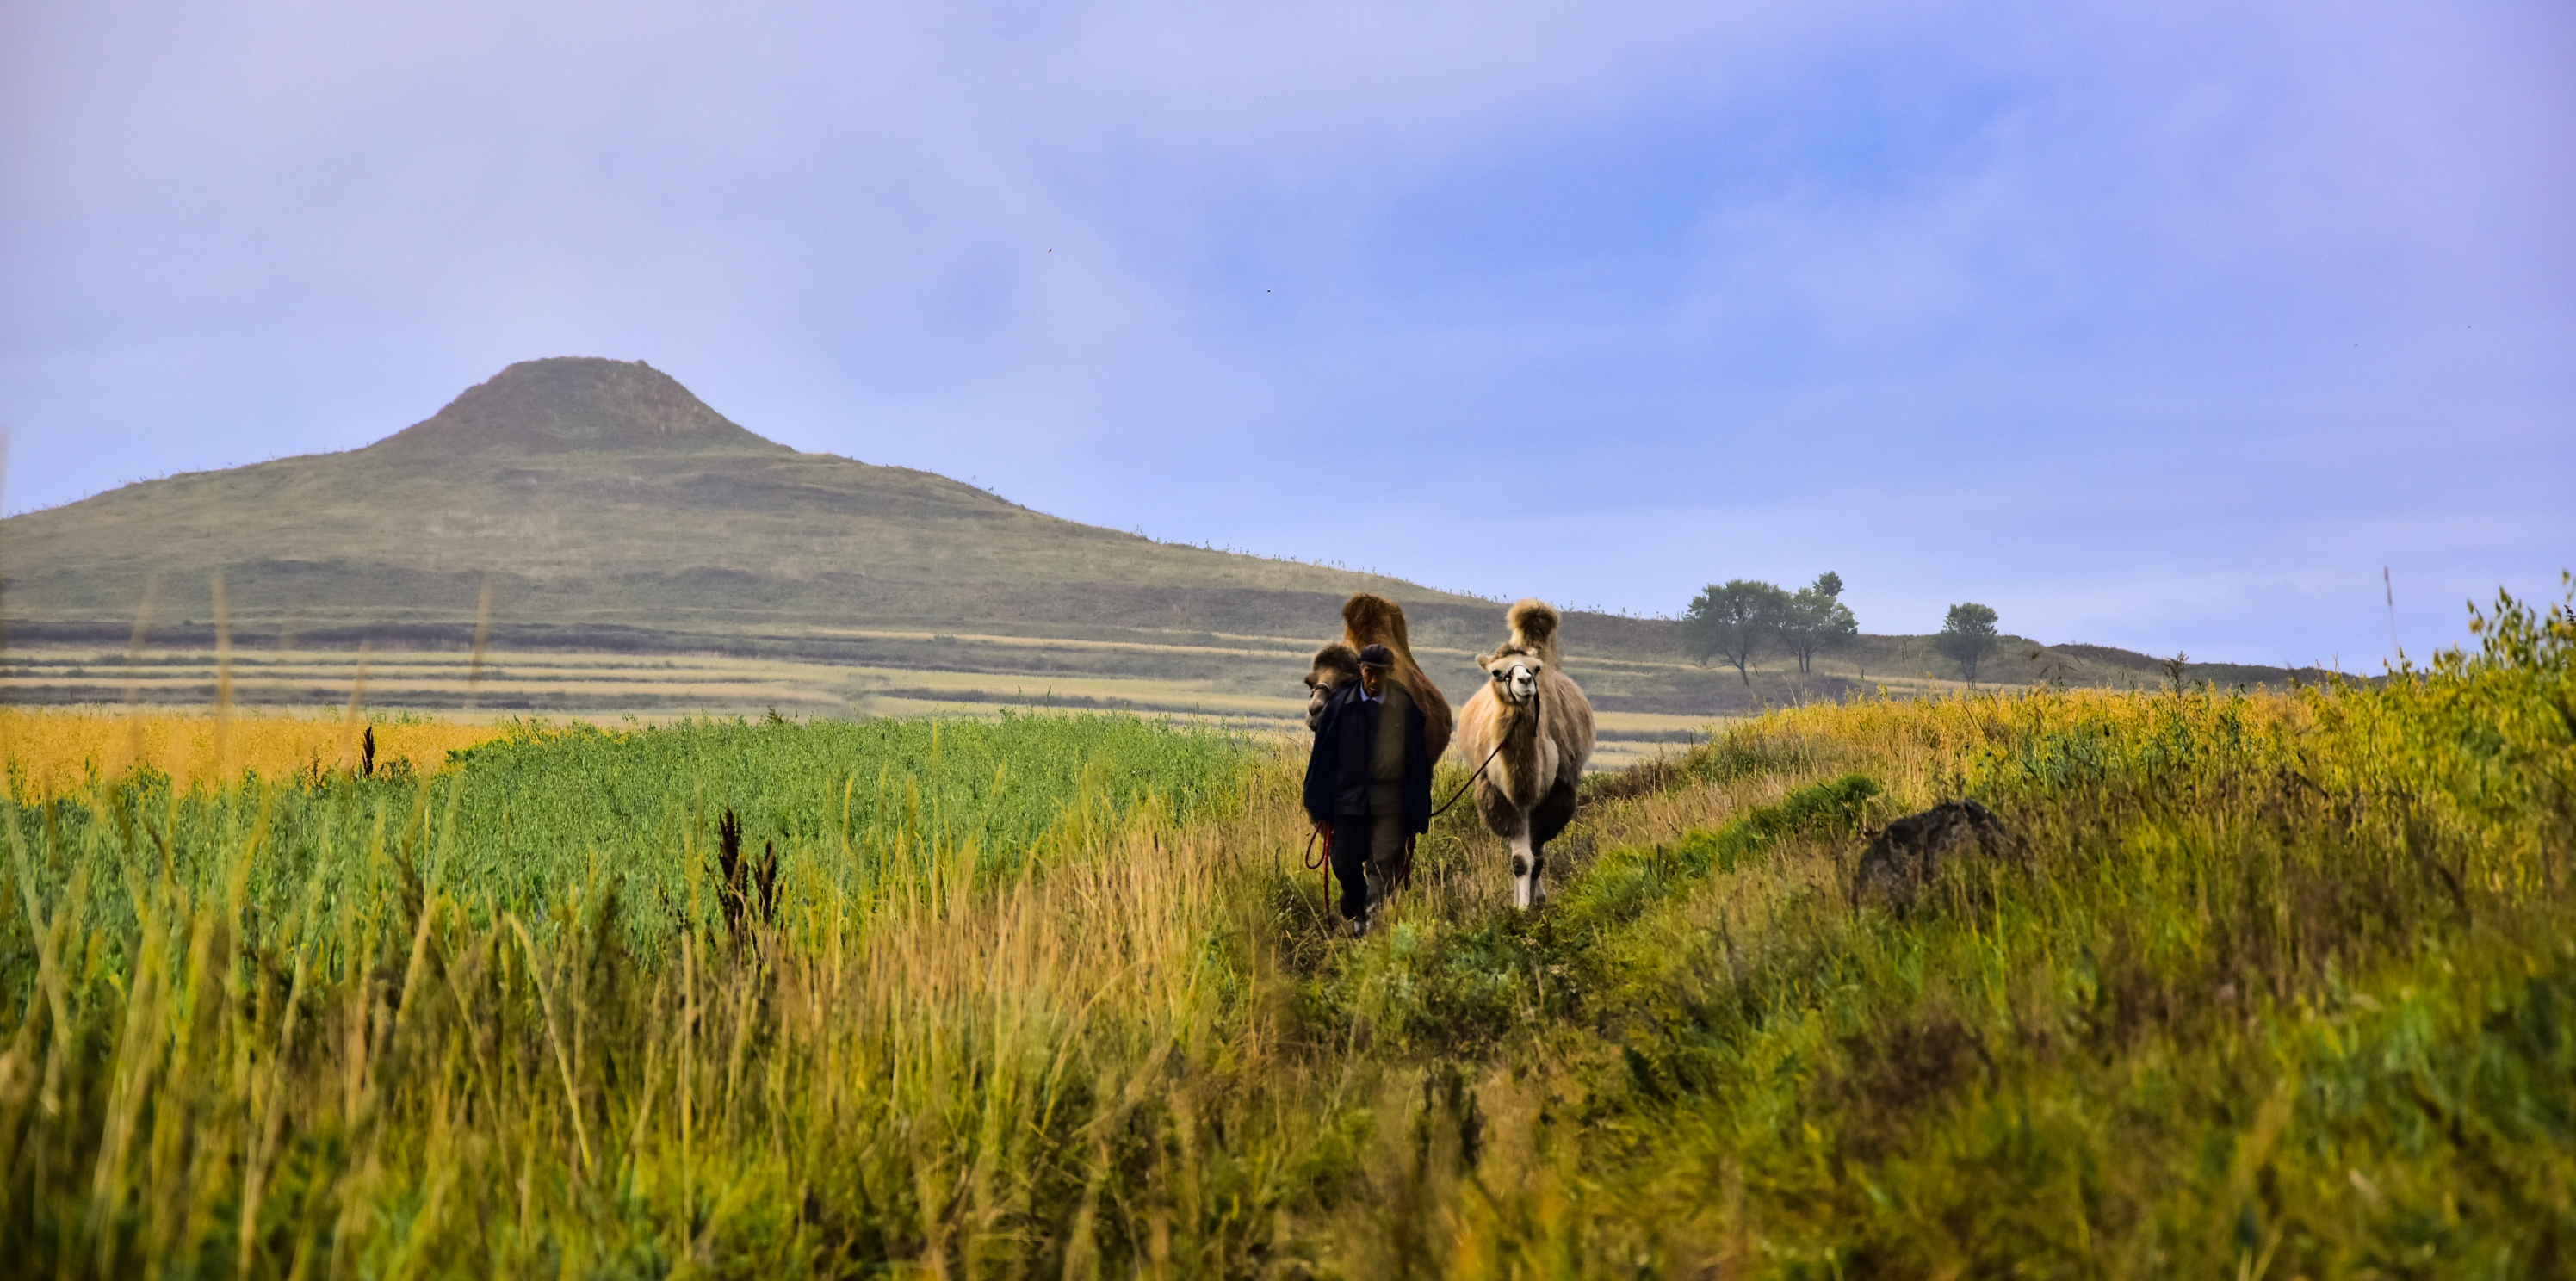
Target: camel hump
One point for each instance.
(1371, 619)
(1534, 625)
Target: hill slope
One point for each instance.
(602, 492)
(609, 509)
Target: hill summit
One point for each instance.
(574, 403)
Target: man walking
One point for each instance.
(1368, 783)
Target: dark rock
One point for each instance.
(1904, 857)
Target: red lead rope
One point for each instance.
(1324, 862)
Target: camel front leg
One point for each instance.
(1527, 892)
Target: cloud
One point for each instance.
(2189, 313)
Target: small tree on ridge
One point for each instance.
(1817, 619)
(1967, 636)
(1732, 620)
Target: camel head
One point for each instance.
(1515, 675)
(1336, 665)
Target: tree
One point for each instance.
(1817, 619)
(1967, 636)
(1734, 620)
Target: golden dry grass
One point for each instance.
(53, 752)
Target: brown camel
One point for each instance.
(1537, 726)
(1336, 665)
(1370, 619)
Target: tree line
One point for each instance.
(1742, 618)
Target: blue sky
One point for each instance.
(2165, 326)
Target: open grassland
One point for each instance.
(1629, 667)
(593, 686)
(1247, 684)
(2272, 985)
(443, 681)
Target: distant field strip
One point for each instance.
(552, 681)
(524, 679)
(1280, 647)
(1261, 695)
(56, 750)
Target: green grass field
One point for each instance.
(2272, 985)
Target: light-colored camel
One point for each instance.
(1336, 665)
(1370, 619)
(1542, 725)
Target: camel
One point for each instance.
(1370, 619)
(1336, 665)
(1537, 728)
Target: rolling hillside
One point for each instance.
(610, 511)
(600, 494)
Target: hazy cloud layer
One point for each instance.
(2159, 325)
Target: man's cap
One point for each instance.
(1377, 656)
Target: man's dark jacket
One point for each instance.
(1338, 773)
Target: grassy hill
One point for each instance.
(602, 494)
(609, 511)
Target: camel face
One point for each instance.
(1319, 691)
(1515, 677)
(1335, 666)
